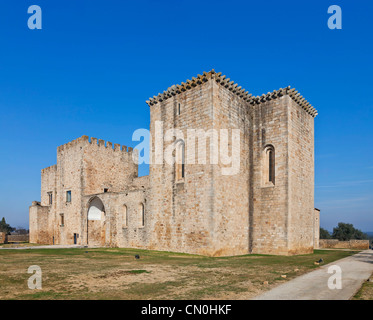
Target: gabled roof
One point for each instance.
(238, 90)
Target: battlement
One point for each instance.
(49, 169)
(85, 141)
(109, 145)
(218, 77)
(79, 141)
(292, 93)
(238, 90)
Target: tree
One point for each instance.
(346, 231)
(20, 230)
(4, 227)
(324, 234)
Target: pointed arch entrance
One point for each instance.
(96, 222)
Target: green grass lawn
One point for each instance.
(366, 291)
(114, 273)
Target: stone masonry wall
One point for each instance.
(316, 229)
(336, 244)
(69, 178)
(18, 238)
(123, 216)
(107, 169)
(301, 179)
(83, 167)
(270, 200)
(3, 237)
(48, 185)
(41, 230)
(182, 211)
(230, 219)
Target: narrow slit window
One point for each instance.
(143, 215)
(142, 212)
(178, 109)
(180, 161)
(68, 196)
(270, 166)
(125, 216)
(50, 198)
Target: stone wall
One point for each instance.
(121, 222)
(18, 238)
(201, 213)
(270, 199)
(83, 168)
(215, 216)
(182, 211)
(41, 229)
(3, 237)
(230, 206)
(301, 179)
(283, 209)
(316, 241)
(336, 244)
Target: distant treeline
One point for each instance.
(345, 232)
(6, 228)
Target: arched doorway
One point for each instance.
(96, 223)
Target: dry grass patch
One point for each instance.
(78, 273)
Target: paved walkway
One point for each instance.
(54, 246)
(314, 285)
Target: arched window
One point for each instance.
(268, 171)
(180, 161)
(125, 216)
(142, 214)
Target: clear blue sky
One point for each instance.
(93, 65)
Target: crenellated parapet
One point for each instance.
(49, 169)
(86, 141)
(233, 87)
(109, 145)
(195, 81)
(292, 93)
(71, 144)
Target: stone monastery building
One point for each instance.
(93, 195)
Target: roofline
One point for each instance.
(178, 88)
(238, 90)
